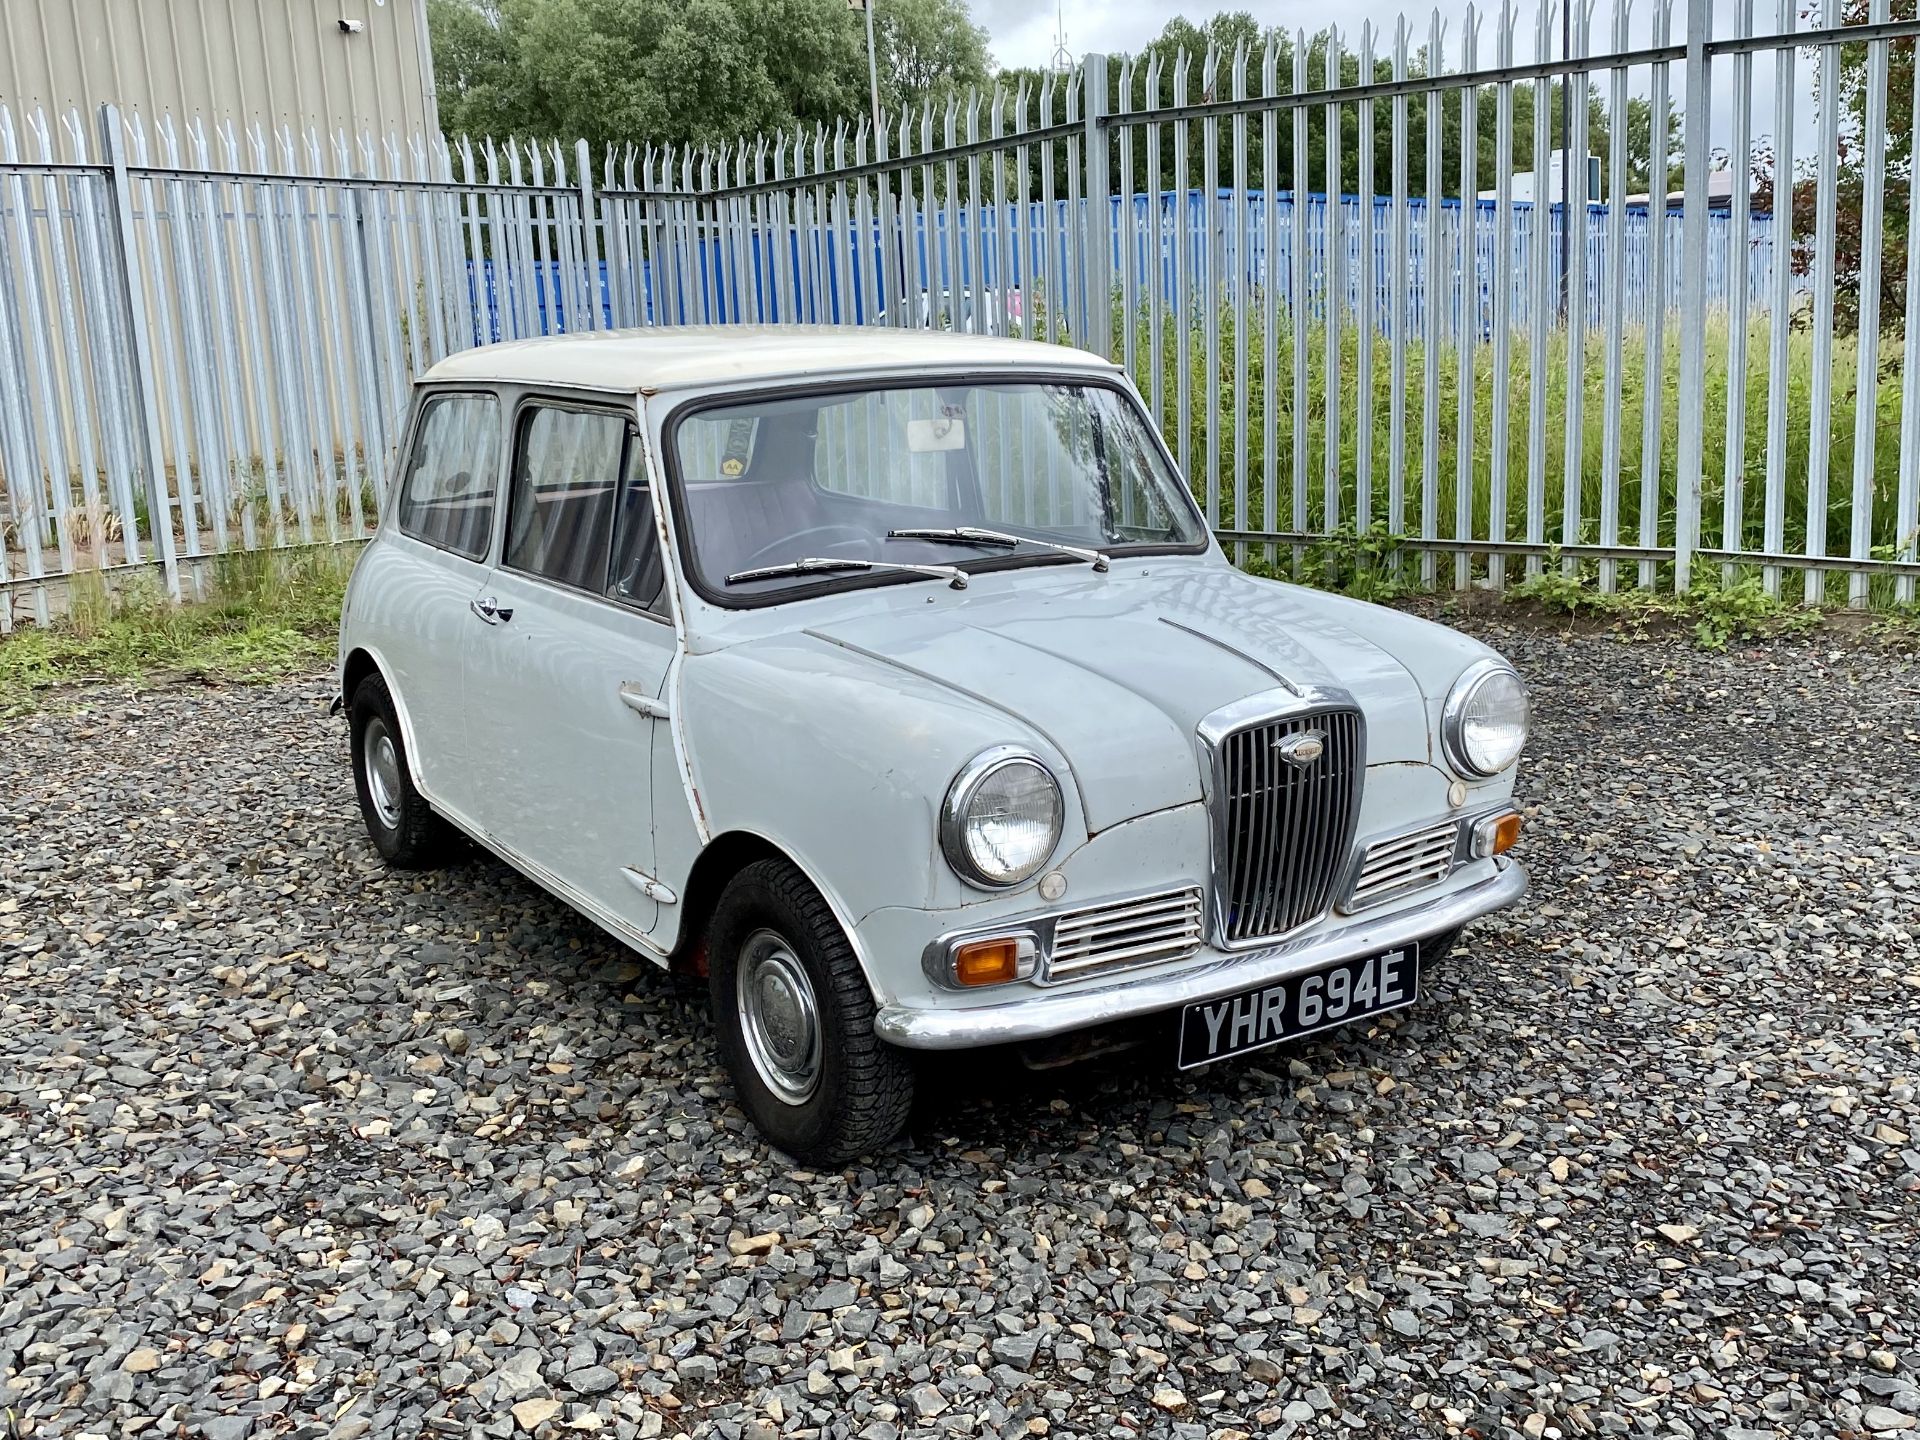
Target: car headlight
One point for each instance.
(1484, 725)
(1002, 817)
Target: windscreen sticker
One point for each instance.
(739, 447)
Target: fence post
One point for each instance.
(1097, 233)
(589, 234)
(1693, 309)
(356, 249)
(148, 442)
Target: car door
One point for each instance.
(412, 602)
(567, 658)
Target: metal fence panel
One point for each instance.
(207, 338)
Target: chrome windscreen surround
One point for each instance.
(1127, 932)
(1284, 775)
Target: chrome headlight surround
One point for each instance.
(1455, 717)
(960, 840)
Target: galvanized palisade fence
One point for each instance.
(206, 336)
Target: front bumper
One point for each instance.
(1037, 1016)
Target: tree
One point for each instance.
(685, 71)
(928, 50)
(1851, 255)
(1640, 163)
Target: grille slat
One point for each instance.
(1273, 778)
(1404, 864)
(1383, 852)
(1156, 949)
(1251, 767)
(1072, 925)
(1286, 830)
(1130, 932)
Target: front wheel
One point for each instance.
(794, 1018)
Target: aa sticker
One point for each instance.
(738, 448)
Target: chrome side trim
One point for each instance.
(1035, 1016)
(637, 700)
(555, 886)
(648, 886)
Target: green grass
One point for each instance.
(1730, 359)
(267, 613)
(1715, 613)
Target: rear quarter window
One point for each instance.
(453, 474)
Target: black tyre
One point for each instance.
(795, 1021)
(402, 826)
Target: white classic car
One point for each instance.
(894, 682)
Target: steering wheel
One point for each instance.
(789, 547)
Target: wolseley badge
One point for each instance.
(1300, 751)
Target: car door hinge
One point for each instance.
(636, 699)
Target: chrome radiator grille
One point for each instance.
(1404, 863)
(1136, 931)
(1283, 832)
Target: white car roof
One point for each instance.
(674, 357)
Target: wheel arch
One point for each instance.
(723, 857)
(356, 667)
(362, 661)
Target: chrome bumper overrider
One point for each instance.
(1035, 1016)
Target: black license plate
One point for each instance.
(1299, 1005)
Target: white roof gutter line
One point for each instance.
(768, 380)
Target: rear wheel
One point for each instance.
(402, 826)
(794, 1017)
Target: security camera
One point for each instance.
(352, 27)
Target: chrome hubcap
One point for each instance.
(779, 1017)
(382, 760)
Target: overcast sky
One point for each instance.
(1022, 33)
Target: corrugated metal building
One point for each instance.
(362, 65)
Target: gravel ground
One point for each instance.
(291, 1145)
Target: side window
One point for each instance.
(446, 497)
(566, 468)
(863, 446)
(637, 576)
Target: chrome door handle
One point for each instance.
(491, 611)
(637, 700)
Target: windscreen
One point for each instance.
(837, 476)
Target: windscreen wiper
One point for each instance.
(999, 539)
(823, 564)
